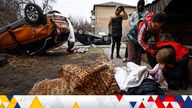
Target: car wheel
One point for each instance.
(105, 38)
(80, 32)
(34, 14)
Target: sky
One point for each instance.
(82, 8)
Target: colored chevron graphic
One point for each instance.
(36, 103)
(119, 97)
(8, 102)
(131, 101)
(133, 104)
(141, 105)
(76, 105)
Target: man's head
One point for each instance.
(165, 56)
(118, 10)
(158, 20)
(140, 5)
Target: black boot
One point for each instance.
(111, 56)
(118, 56)
(118, 49)
(112, 50)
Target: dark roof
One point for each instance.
(113, 4)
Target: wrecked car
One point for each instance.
(88, 39)
(36, 32)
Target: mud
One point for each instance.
(21, 72)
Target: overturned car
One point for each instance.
(88, 39)
(37, 32)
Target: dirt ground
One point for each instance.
(20, 74)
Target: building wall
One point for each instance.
(102, 16)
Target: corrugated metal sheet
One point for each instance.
(158, 5)
(178, 20)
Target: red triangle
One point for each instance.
(150, 99)
(142, 105)
(169, 105)
(159, 103)
(169, 99)
(119, 97)
(180, 104)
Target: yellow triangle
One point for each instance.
(76, 105)
(36, 103)
(4, 98)
(12, 103)
(2, 106)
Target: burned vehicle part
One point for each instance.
(37, 32)
(88, 39)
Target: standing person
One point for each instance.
(139, 14)
(115, 29)
(134, 50)
(150, 27)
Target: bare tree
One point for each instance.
(87, 26)
(47, 6)
(9, 11)
(74, 21)
(80, 23)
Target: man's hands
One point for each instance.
(153, 50)
(122, 8)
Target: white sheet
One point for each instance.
(130, 76)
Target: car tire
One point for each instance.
(80, 32)
(34, 14)
(105, 39)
